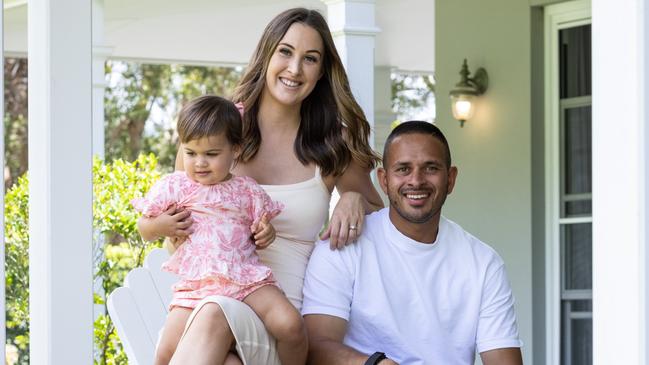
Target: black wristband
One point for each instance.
(375, 358)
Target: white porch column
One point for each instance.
(620, 181)
(60, 204)
(353, 29)
(383, 114)
(100, 53)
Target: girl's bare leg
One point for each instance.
(208, 339)
(283, 321)
(173, 329)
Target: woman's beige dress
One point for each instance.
(306, 205)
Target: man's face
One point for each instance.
(416, 179)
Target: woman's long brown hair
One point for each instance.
(333, 129)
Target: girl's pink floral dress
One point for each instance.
(219, 258)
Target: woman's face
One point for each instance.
(295, 66)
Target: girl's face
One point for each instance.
(296, 65)
(208, 160)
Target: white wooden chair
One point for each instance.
(139, 308)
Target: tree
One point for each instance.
(133, 91)
(15, 119)
(115, 184)
(198, 81)
(412, 94)
(138, 91)
(17, 268)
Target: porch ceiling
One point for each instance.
(226, 31)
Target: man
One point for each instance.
(416, 288)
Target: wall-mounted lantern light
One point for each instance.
(464, 94)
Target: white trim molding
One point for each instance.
(620, 185)
(371, 31)
(557, 17)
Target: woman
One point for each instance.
(304, 134)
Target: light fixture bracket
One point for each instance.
(475, 85)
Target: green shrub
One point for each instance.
(17, 268)
(118, 248)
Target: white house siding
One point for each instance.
(493, 194)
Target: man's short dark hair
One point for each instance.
(416, 127)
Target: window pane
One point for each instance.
(582, 305)
(577, 256)
(577, 150)
(577, 345)
(578, 208)
(582, 342)
(575, 61)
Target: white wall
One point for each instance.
(492, 197)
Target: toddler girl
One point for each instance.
(218, 257)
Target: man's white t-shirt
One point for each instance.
(419, 303)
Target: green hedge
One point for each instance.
(117, 249)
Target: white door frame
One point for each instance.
(556, 17)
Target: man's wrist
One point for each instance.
(375, 358)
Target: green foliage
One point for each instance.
(17, 268)
(119, 259)
(411, 94)
(115, 185)
(142, 99)
(15, 119)
(196, 81)
(106, 339)
(134, 91)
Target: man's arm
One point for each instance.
(506, 356)
(326, 334)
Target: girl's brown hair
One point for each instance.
(208, 116)
(333, 128)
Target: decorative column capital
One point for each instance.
(351, 17)
(99, 56)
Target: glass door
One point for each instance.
(575, 195)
